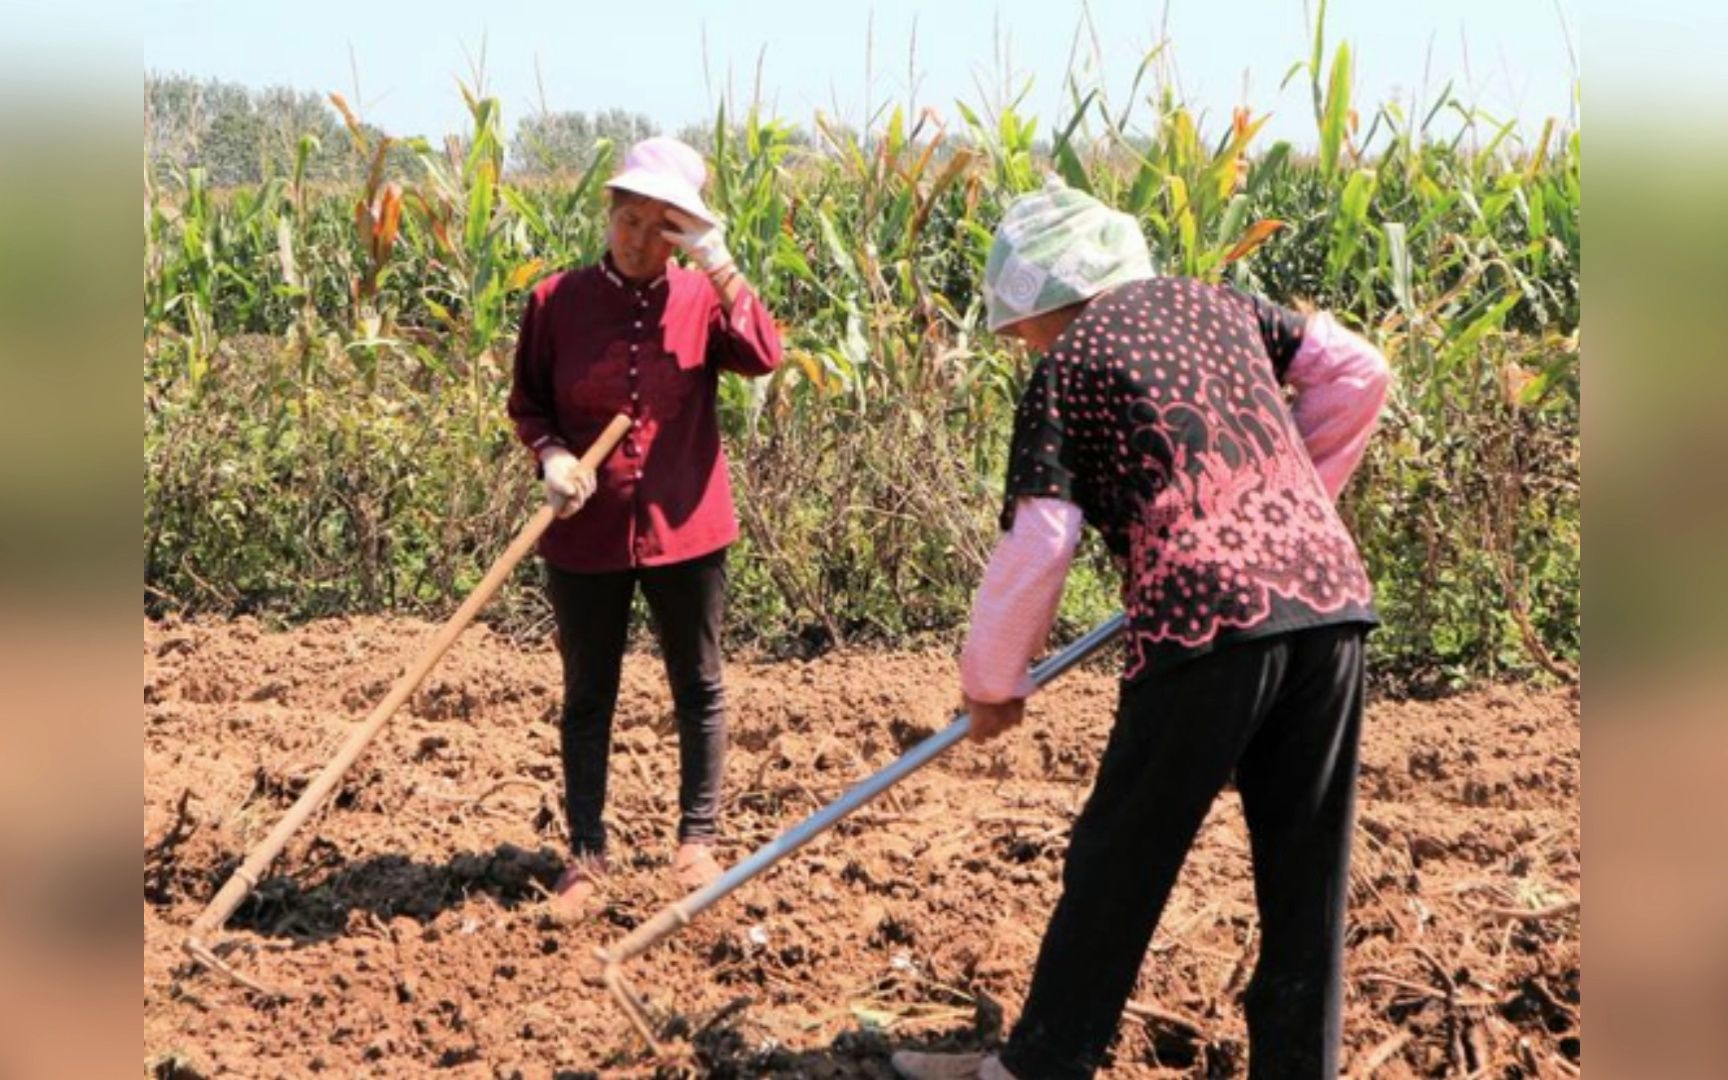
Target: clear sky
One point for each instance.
(1510, 57)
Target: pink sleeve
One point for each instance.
(1340, 382)
(1017, 600)
(745, 339)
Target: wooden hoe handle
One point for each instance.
(250, 872)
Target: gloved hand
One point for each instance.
(703, 242)
(569, 483)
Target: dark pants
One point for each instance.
(687, 603)
(1284, 713)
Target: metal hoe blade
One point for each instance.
(679, 914)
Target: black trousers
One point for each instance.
(1284, 713)
(687, 602)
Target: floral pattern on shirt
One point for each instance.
(1160, 414)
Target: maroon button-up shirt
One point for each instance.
(594, 345)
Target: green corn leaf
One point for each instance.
(836, 249)
(479, 207)
(1335, 120)
(524, 208)
(1074, 173)
(1398, 259)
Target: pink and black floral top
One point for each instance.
(1161, 414)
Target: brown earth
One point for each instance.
(408, 917)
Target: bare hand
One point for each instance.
(992, 719)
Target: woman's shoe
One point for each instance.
(573, 896)
(694, 866)
(914, 1065)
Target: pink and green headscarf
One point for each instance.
(1055, 247)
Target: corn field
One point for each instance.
(325, 369)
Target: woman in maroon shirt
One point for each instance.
(639, 335)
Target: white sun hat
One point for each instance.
(664, 168)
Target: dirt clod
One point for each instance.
(410, 912)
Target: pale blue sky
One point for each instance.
(1509, 56)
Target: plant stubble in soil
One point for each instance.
(409, 917)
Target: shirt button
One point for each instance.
(638, 474)
(638, 324)
(632, 372)
(633, 348)
(635, 395)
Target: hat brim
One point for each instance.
(655, 185)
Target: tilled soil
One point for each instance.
(407, 918)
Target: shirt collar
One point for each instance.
(612, 275)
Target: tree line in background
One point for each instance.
(241, 136)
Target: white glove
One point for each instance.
(704, 242)
(569, 483)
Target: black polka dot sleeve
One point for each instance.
(1039, 456)
(1280, 330)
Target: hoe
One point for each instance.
(246, 878)
(677, 915)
